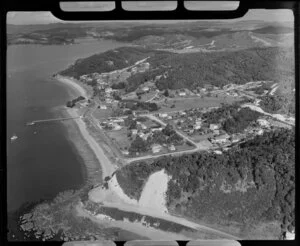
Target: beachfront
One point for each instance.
(107, 167)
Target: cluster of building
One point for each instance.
(191, 123)
(114, 124)
(257, 128)
(188, 121)
(143, 129)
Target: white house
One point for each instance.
(125, 152)
(213, 127)
(145, 136)
(221, 138)
(144, 127)
(156, 129)
(103, 107)
(156, 148)
(218, 152)
(197, 127)
(118, 120)
(163, 115)
(108, 100)
(182, 94)
(134, 131)
(108, 90)
(260, 132)
(172, 147)
(263, 122)
(116, 127)
(145, 89)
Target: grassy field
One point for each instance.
(199, 138)
(102, 114)
(147, 96)
(120, 138)
(182, 103)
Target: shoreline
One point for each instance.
(96, 149)
(73, 84)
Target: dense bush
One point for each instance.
(137, 105)
(259, 177)
(98, 63)
(72, 103)
(240, 120)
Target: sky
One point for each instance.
(18, 18)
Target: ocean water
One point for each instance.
(42, 161)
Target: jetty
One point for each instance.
(51, 120)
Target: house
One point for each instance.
(108, 100)
(145, 89)
(145, 136)
(144, 127)
(103, 107)
(134, 131)
(108, 90)
(156, 148)
(218, 152)
(182, 93)
(163, 115)
(197, 127)
(118, 120)
(234, 139)
(221, 138)
(213, 127)
(172, 148)
(156, 129)
(116, 127)
(216, 132)
(263, 122)
(125, 152)
(260, 132)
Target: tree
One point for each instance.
(168, 130)
(166, 93)
(138, 145)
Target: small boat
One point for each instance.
(14, 137)
(30, 123)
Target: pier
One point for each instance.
(51, 120)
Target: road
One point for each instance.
(260, 110)
(198, 146)
(108, 168)
(167, 217)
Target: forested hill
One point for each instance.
(191, 70)
(221, 68)
(247, 189)
(108, 61)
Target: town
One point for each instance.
(148, 123)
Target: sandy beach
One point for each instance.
(106, 167)
(74, 85)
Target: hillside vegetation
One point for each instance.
(108, 61)
(252, 184)
(191, 70)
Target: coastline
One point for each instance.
(104, 166)
(73, 84)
